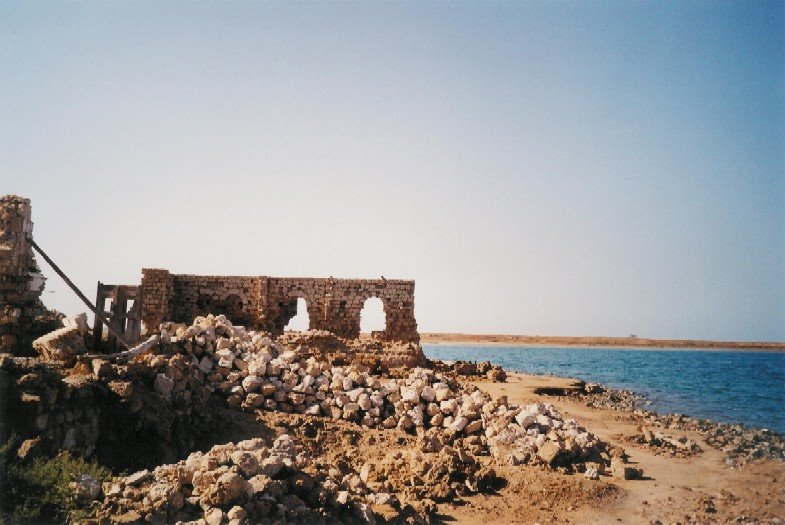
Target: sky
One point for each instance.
(552, 168)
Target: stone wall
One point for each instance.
(268, 303)
(38, 403)
(114, 412)
(21, 281)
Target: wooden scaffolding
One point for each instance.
(125, 320)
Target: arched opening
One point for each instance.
(301, 321)
(232, 307)
(372, 316)
(204, 304)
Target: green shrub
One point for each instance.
(40, 490)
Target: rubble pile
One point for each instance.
(435, 473)
(249, 482)
(146, 411)
(253, 372)
(157, 405)
(158, 401)
(46, 411)
(151, 407)
(595, 395)
(238, 483)
(537, 433)
(484, 370)
(63, 345)
(374, 352)
(661, 443)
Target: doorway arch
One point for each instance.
(373, 317)
(301, 321)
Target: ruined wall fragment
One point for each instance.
(21, 282)
(268, 303)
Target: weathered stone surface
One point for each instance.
(137, 478)
(23, 317)
(473, 427)
(248, 463)
(549, 452)
(268, 303)
(233, 485)
(497, 375)
(78, 321)
(61, 346)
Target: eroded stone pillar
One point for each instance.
(21, 281)
(156, 295)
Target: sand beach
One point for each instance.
(700, 488)
(437, 338)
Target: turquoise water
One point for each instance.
(728, 386)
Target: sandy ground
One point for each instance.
(698, 489)
(625, 342)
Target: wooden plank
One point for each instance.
(76, 290)
(98, 326)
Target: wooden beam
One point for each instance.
(98, 326)
(79, 293)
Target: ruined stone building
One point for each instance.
(268, 303)
(258, 302)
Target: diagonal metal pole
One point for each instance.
(79, 293)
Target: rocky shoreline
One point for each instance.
(739, 442)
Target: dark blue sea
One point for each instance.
(723, 385)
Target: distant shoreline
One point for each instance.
(591, 342)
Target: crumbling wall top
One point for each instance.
(21, 280)
(268, 303)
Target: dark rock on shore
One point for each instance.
(741, 443)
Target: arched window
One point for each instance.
(300, 322)
(372, 316)
(232, 307)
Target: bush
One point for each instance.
(40, 491)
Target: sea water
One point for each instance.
(723, 385)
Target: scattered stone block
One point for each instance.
(138, 478)
(31, 449)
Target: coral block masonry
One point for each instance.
(21, 282)
(268, 303)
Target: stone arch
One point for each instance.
(288, 308)
(233, 307)
(301, 313)
(204, 304)
(373, 315)
(268, 303)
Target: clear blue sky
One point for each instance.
(561, 168)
